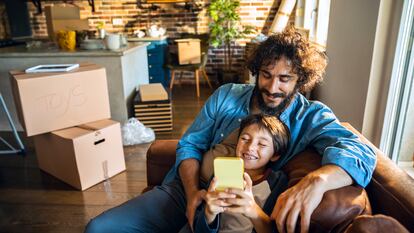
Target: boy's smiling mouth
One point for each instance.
(249, 156)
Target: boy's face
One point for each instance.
(255, 147)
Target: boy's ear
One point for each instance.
(275, 157)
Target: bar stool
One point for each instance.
(11, 149)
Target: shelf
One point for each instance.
(38, 5)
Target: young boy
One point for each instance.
(262, 140)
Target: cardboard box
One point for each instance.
(152, 92)
(82, 156)
(51, 101)
(64, 18)
(66, 24)
(62, 12)
(189, 51)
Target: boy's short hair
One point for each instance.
(277, 129)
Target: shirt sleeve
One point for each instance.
(201, 225)
(341, 147)
(199, 136)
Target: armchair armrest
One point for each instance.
(391, 190)
(160, 159)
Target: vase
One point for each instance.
(66, 39)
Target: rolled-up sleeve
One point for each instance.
(200, 134)
(341, 147)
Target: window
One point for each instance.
(398, 131)
(312, 17)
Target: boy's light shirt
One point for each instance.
(311, 124)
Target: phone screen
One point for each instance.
(229, 173)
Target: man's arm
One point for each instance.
(192, 145)
(314, 125)
(303, 198)
(189, 172)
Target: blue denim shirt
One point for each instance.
(311, 124)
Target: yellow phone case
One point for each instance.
(229, 172)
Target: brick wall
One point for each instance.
(173, 17)
(3, 22)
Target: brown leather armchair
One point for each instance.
(390, 193)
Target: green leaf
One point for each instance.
(225, 26)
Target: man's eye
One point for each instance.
(266, 75)
(262, 144)
(284, 79)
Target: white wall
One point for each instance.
(383, 59)
(350, 46)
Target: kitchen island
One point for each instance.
(126, 69)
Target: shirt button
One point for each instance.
(222, 135)
(239, 120)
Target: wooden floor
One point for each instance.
(33, 201)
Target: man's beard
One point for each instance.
(258, 93)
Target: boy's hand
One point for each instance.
(215, 203)
(244, 203)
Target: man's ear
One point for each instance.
(275, 157)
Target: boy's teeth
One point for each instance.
(250, 157)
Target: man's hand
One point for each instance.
(193, 201)
(303, 198)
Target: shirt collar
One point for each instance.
(290, 107)
(249, 98)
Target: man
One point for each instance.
(284, 64)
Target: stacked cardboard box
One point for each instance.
(68, 114)
(84, 155)
(189, 51)
(156, 111)
(64, 18)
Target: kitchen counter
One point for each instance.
(53, 51)
(126, 69)
(147, 38)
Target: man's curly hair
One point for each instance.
(307, 61)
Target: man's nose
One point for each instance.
(274, 86)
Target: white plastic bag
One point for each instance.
(134, 132)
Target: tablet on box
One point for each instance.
(52, 68)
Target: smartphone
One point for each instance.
(229, 172)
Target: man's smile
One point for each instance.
(271, 97)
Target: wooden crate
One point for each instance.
(154, 114)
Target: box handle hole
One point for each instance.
(99, 141)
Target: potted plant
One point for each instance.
(101, 30)
(225, 29)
